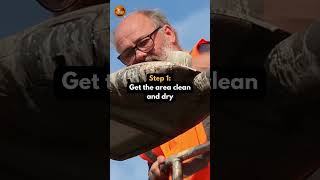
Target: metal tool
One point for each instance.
(175, 162)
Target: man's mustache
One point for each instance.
(163, 57)
(154, 58)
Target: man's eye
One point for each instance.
(144, 43)
(129, 53)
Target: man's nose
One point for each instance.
(140, 56)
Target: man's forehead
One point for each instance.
(135, 18)
(133, 26)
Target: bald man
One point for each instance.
(148, 36)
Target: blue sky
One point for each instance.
(191, 19)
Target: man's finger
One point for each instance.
(155, 172)
(155, 168)
(161, 159)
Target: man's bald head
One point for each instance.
(132, 26)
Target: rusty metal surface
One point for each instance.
(137, 126)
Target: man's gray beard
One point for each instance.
(165, 51)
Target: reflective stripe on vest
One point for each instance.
(151, 156)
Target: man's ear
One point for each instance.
(170, 33)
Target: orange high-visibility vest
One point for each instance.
(191, 138)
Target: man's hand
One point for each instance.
(155, 173)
